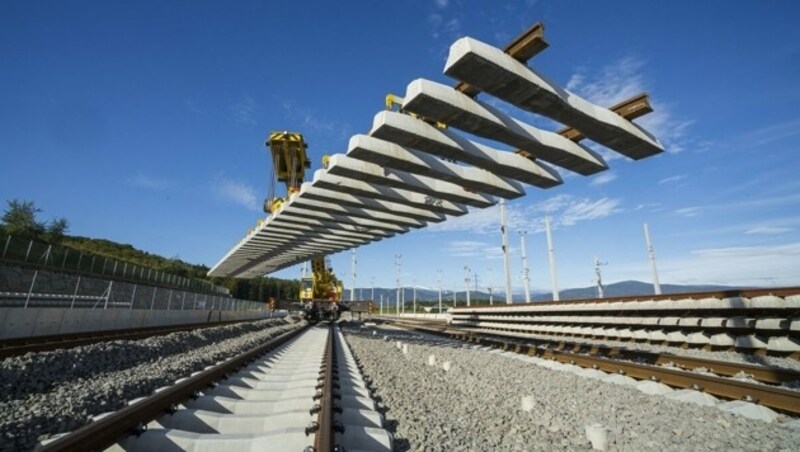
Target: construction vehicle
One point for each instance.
(320, 293)
(289, 164)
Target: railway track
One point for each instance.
(759, 322)
(298, 391)
(642, 365)
(20, 346)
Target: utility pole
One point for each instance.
(415, 297)
(599, 281)
(525, 273)
(353, 289)
(652, 255)
(506, 265)
(491, 299)
(381, 304)
(552, 257)
(372, 282)
(398, 263)
(466, 281)
(454, 298)
(439, 272)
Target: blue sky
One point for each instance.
(144, 122)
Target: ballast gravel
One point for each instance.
(477, 405)
(45, 393)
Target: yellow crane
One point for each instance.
(322, 290)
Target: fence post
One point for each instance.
(64, 262)
(110, 288)
(114, 271)
(124, 270)
(30, 290)
(169, 300)
(5, 248)
(153, 300)
(91, 267)
(105, 262)
(28, 253)
(183, 300)
(133, 297)
(80, 259)
(75, 294)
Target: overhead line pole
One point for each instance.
(552, 257)
(652, 256)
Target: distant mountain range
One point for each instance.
(620, 289)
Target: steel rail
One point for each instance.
(106, 431)
(773, 397)
(20, 346)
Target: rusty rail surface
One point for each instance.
(744, 293)
(771, 396)
(20, 346)
(106, 431)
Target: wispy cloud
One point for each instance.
(603, 178)
(768, 230)
(235, 191)
(192, 107)
(564, 210)
(475, 249)
(244, 111)
(671, 179)
(774, 265)
(568, 210)
(481, 221)
(621, 80)
(309, 120)
(441, 3)
(149, 182)
(689, 212)
(774, 132)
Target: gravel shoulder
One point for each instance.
(476, 405)
(51, 392)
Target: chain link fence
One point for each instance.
(25, 252)
(25, 287)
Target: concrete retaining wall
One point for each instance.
(19, 322)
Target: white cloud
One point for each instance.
(149, 182)
(244, 111)
(670, 179)
(441, 3)
(564, 210)
(768, 230)
(237, 192)
(603, 178)
(689, 211)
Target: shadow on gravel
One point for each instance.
(400, 444)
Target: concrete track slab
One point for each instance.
(391, 155)
(444, 104)
(342, 165)
(497, 73)
(411, 132)
(359, 188)
(343, 219)
(332, 225)
(356, 212)
(308, 191)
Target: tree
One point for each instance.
(56, 230)
(20, 219)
